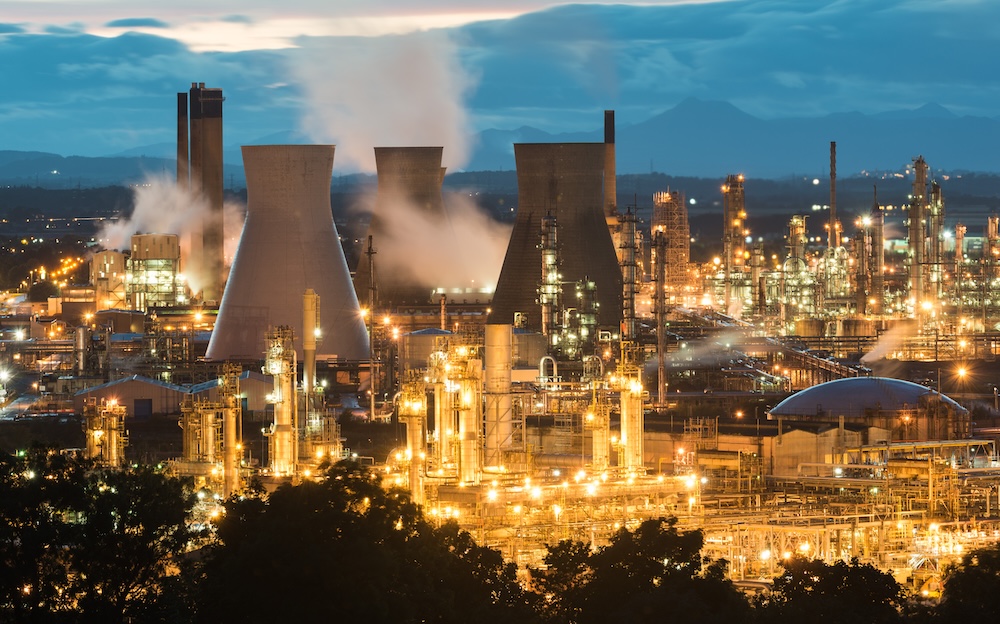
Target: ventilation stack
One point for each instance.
(610, 170)
(199, 167)
(409, 186)
(565, 180)
(289, 244)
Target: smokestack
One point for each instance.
(566, 180)
(610, 168)
(199, 167)
(289, 244)
(832, 237)
(183, 175)
(411, 176)
(917, 232)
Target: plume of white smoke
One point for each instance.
(889, 342)
(464, 250)
(399, 91)
(161, 207)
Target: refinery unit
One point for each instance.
(610, 378)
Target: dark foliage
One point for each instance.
(810, 589)
(651, 574)
(80, 543)
(346, 547)
(972, 587)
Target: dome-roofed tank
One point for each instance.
(908, 410)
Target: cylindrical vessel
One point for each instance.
(497, 384)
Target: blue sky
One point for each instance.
(97, 77)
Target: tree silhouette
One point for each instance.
(81, 543)
(971, 587)
(344, 545)
(640, 576)
(832, 593)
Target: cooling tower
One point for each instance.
(566, 180)
(409, 181)
(289, 244)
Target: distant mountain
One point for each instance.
(710, 139)
(696, 138)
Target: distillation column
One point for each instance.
(660, 301)
(917, 233)
(497, 390)
(734, 216)
(469, 419)
(936, 222)
(878, 256)
(632, 417)
(413, 414)
(630, 283)
(444, 411)
(231, 445)
(280, 364)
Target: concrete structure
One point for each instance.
(289, 244)
(409, 180)
(565, 180)
(199, 167)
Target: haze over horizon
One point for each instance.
(98, 77)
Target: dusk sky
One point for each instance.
(98, 77)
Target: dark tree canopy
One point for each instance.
(646, 575)
(345, 546)
(811, 589)
(972, 587)
(82, 543)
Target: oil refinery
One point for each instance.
(822, 395)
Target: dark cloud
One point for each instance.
(238, 19)
(554, 69)
(138, 22)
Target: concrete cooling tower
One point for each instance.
(565, 180)
(409, 181)
(289, 244)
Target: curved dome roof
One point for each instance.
(853, 396)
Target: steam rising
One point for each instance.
(889, 342)
(402, 91)
(466, 250)
(163, 208)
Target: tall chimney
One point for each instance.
(610, 168)
(183, 175)
(207, 178)
(833, 237)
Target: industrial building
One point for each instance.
(613, 377)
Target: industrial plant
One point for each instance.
(822, 395)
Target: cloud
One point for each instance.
(7, 29)
(138, 22)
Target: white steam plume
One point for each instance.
(400, 91)
(465, 250)
(889, 342)
(161, 207)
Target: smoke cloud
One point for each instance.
(401, 91)
(161, 207)
(466, 250)
(889, 342)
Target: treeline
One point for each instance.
(79, 543)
